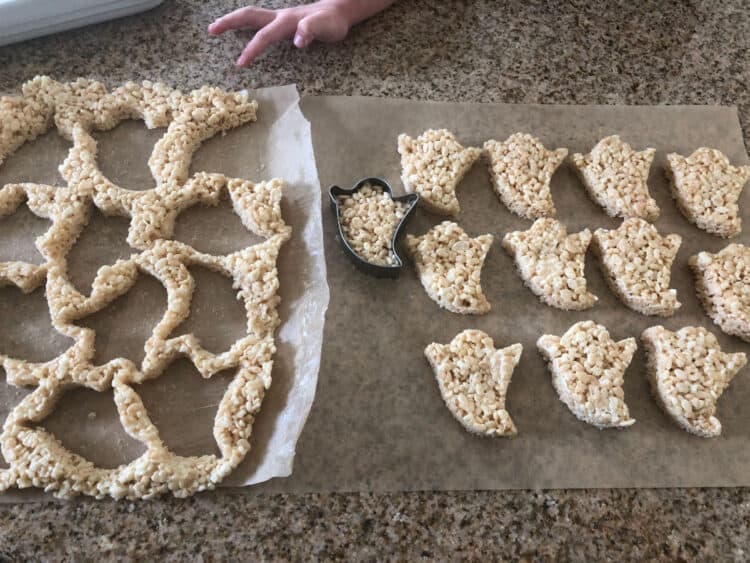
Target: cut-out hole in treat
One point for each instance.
(123, 154)
(101, 243)
(184, 417)
(18, 231)
(123, 326)
(36, 162)
(87, 424)
(214, 230)
(220, 154)
(217, 318)
(33, 337)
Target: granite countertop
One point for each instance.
(663, 52)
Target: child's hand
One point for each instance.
(325, 20)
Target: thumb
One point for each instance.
(322, 26)
(303, 37)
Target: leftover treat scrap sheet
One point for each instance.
(379, 423)
(181, 404)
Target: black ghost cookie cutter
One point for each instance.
(377, 270)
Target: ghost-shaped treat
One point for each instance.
(587, 369)
(706, 188)
(551, 263)
(432, 165)
(615, 176)
(473, 378)
(722, 282)
(637, 265)
(449, 263)
(521, 169)
(688, 373)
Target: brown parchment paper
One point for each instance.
(378, 422)
(180, 402)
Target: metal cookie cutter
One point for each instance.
(377, 270)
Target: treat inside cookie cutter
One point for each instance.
(377, 270)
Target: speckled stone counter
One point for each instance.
(661, 52)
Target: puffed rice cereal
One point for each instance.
(637, 264)
(35, 456)
(432, 165)
(449, 263)
(722, 282)
(688, 373)
(473, 378)
(588, 370)
(369, 219)
(615, 177)
(706, 188)
(521, 170)
(551, 263)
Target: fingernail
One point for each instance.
(300, 41)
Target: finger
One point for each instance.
(322, 26)
(249, 16)
(276, 31)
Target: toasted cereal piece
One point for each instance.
(706, 188)
(637, 264)
(587, 369)
(432, 165)
(521, 170)
(369, 218)
(473, 378)
(615, 176)
(722, 282)
(688, 373)
(550, 262)
(449, 263)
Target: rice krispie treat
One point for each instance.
(688, 373)
(22, 119)
(197, 116)
(432, 165)
(369, 219)
(587, 369)
(35, 456)
(449, 263)
(637, 264)
(706, 188)
(615, 176)
(473, 378)
(521, 170)
(551, 262)
(722, 282)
